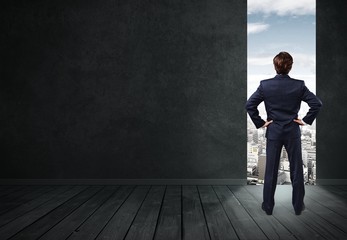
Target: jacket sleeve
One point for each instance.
(313, 102)
(252, 107)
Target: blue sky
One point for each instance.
(281, 25)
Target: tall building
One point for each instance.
(284, 153)
(261, 167)
(255, 136)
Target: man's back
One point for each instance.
(282, 96)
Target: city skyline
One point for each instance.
(274, 26)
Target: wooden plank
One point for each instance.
(119, 224)
(328, 215)
(270, 226)
(91, 228)
(26, 207)
(41, 226)
(194, 222)
(306, 226)
(329, 200)
(19, 197)
(340, 193)
(169, 223)
(342, 187)
(10, 189)
(145, 221)
(107, 210)
(4, 188)
(20, 223)
(16, 194)
(216, 218)
(238, 216)
(332, 226)
(66, 227)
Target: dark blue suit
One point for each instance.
(282, 96)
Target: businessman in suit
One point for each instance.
(282, 96)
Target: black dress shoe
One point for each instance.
(302, 209)
(268, 212)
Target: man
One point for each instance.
(282, 96)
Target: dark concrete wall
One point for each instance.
(145, 89)
(123, 89)
(332, 89)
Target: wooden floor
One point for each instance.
(168, 212)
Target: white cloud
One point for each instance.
(253, 81)
(260, 61)
(305, 60)
(304, 64)
(282, 7)
(256, 27)
(300, 59)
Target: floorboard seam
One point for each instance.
(203, 211)
(182, 228)
(159, 214)
(101, 204)
(132, 221)
(134, 187)
(48, 213)
(225, 213)
(71, 211)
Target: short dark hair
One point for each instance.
(283, 63)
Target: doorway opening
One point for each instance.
(272, 27)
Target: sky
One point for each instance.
(281, 25)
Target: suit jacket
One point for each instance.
(282, 96)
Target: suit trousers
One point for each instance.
(273, 154)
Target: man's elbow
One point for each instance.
(248, 106)
(319, 104)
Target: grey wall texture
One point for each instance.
(123, 89)
(331, 74)
(145, 89)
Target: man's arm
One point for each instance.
(252, 107)
(313, 102)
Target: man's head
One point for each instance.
(283, 63)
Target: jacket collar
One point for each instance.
(282, 76)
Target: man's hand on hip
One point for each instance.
(299, 121)
(267, 123)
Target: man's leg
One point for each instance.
(273, 153)
(293, 147)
